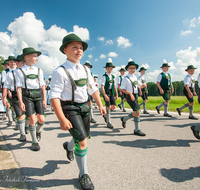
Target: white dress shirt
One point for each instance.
(189, 80)
(159, 78)
(9, 82)
(142, 79)
(61, 86)
(31, 83)
(119, 79)
(103, 80)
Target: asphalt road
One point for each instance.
(168, 157)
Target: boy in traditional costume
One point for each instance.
(120, 93)
(71, 82)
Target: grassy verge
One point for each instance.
(153, 101)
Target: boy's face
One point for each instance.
(165, 69)
(122, 73)
(109, 70)
(142, 72)
(191, 71)
(31, 59)
(131, 69)
(5, 66)
(20, 64)
(74, 51)
(12, 64)
(95, 79)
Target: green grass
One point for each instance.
(153, 101)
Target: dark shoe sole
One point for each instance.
(123, 123)
(157, 110)
(70, 154)
(179, 112)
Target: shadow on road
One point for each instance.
(180, 175)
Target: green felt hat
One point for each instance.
(95, 76)
(131, 62)
(49, 77)
(142, 68)
(122, 69)
(11, 58)
(88, 64)
(5, 62)
(72, 38)
(190, 67)
(165, 65)
(30, 50)
(109, 63)
(20, 58)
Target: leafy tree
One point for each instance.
(1, 66)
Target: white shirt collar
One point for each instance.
(108, 74)
(76, 65)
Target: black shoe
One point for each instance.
(123, 123)
(9, 123)
(105, 118)
(86, 183)
(38, 136)
(192, 117)
(145, 112)
(26, 130)
(22, 138)
(167, 115)
(178, 110)
(109, 125)
(35, 147)
(139, 133)
(16, 128)
(120, 106)
(70, 154)
(124, 110)
(92, 121)
(158, 110)
(195, 133)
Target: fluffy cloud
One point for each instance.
(27, 31)
(145, 65)
(109, 42)
(112, 54)
(193, 22)
(184, 33)
(123, 42)
(96, 60)
(101, 38)
(102, 56)
(90, 56)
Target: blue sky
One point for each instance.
(147, 31)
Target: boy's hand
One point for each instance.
(190, 94)
(5, 102)
(65, 124)
(116, 97)
(106, 98)
(140, 93)
(102, 110)
(161, 91)
(195, 94)
(8, 105)
(44, 103)
(22, 107)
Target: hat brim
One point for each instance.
(38, 53)
(110, 66)
(142, 70)
(127, 66)
(189, 69)
(62, 47)
(165, 66)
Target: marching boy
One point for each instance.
(143, 90)
(129, 86)
(166, 88)
(121, 94)
(189, 91)
(96, 84)
(71, 82)
(31, 88)
(10, 84)
(88, 64)
(109, 89)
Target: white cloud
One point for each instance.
(184, 33)
(198, 37)
(91, 48)
(123, 42)
(27, 30)
(109, 42)
(116, 72)
(145, 65)
(102, 56)
(112, 54)
(90, 56)
(96, 60)
(172, 67)
(101, 38)
(152, 76)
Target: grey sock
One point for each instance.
(9, 114)
(108, 116)
(184, 106)
(71, 145)
(95, 105)
(123, 105)
(91, 112)
(32, 130)
(191, 110)
(81, 159)
(21, 125)
(38, 126)
(144, 106)
(137, 123)
(165, 108)
(197, 128)
(14, 118)
(27, 123)
(129, 116)
(161, 105)
(140, 104)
